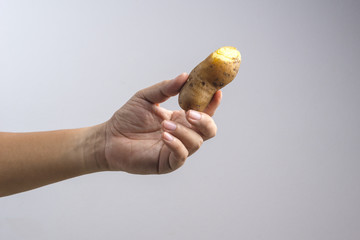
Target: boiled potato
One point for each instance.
(212, 74)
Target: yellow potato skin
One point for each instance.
(212, 74)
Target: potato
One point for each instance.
(212, 74)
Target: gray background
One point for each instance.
(285, 161)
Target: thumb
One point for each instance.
(162, 91)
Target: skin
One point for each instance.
(140, 138)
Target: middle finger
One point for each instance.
(191, 139)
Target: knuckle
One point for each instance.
(178, 159)
(182, 154)
(139, 93)
(199, 143)
(195, 146)
(181, 160)
(211, 131)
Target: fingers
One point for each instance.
(183, 140)
(178, 153)
(188, 137)
(215, 102)
(202, 123)
(160, 92)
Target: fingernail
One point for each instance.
(169, 125)
(194, 115)
(167, 136)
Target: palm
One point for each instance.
(135, 129)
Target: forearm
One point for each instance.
(31, 160)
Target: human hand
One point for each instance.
(141, 137)
(144, 138)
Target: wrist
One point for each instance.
(93, 148)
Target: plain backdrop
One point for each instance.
(285, 163)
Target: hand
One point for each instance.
(144, 138)
(141, 137)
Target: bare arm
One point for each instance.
(141, 138)
(31, 160)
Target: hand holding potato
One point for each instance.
(141, 137)
(144, 138)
